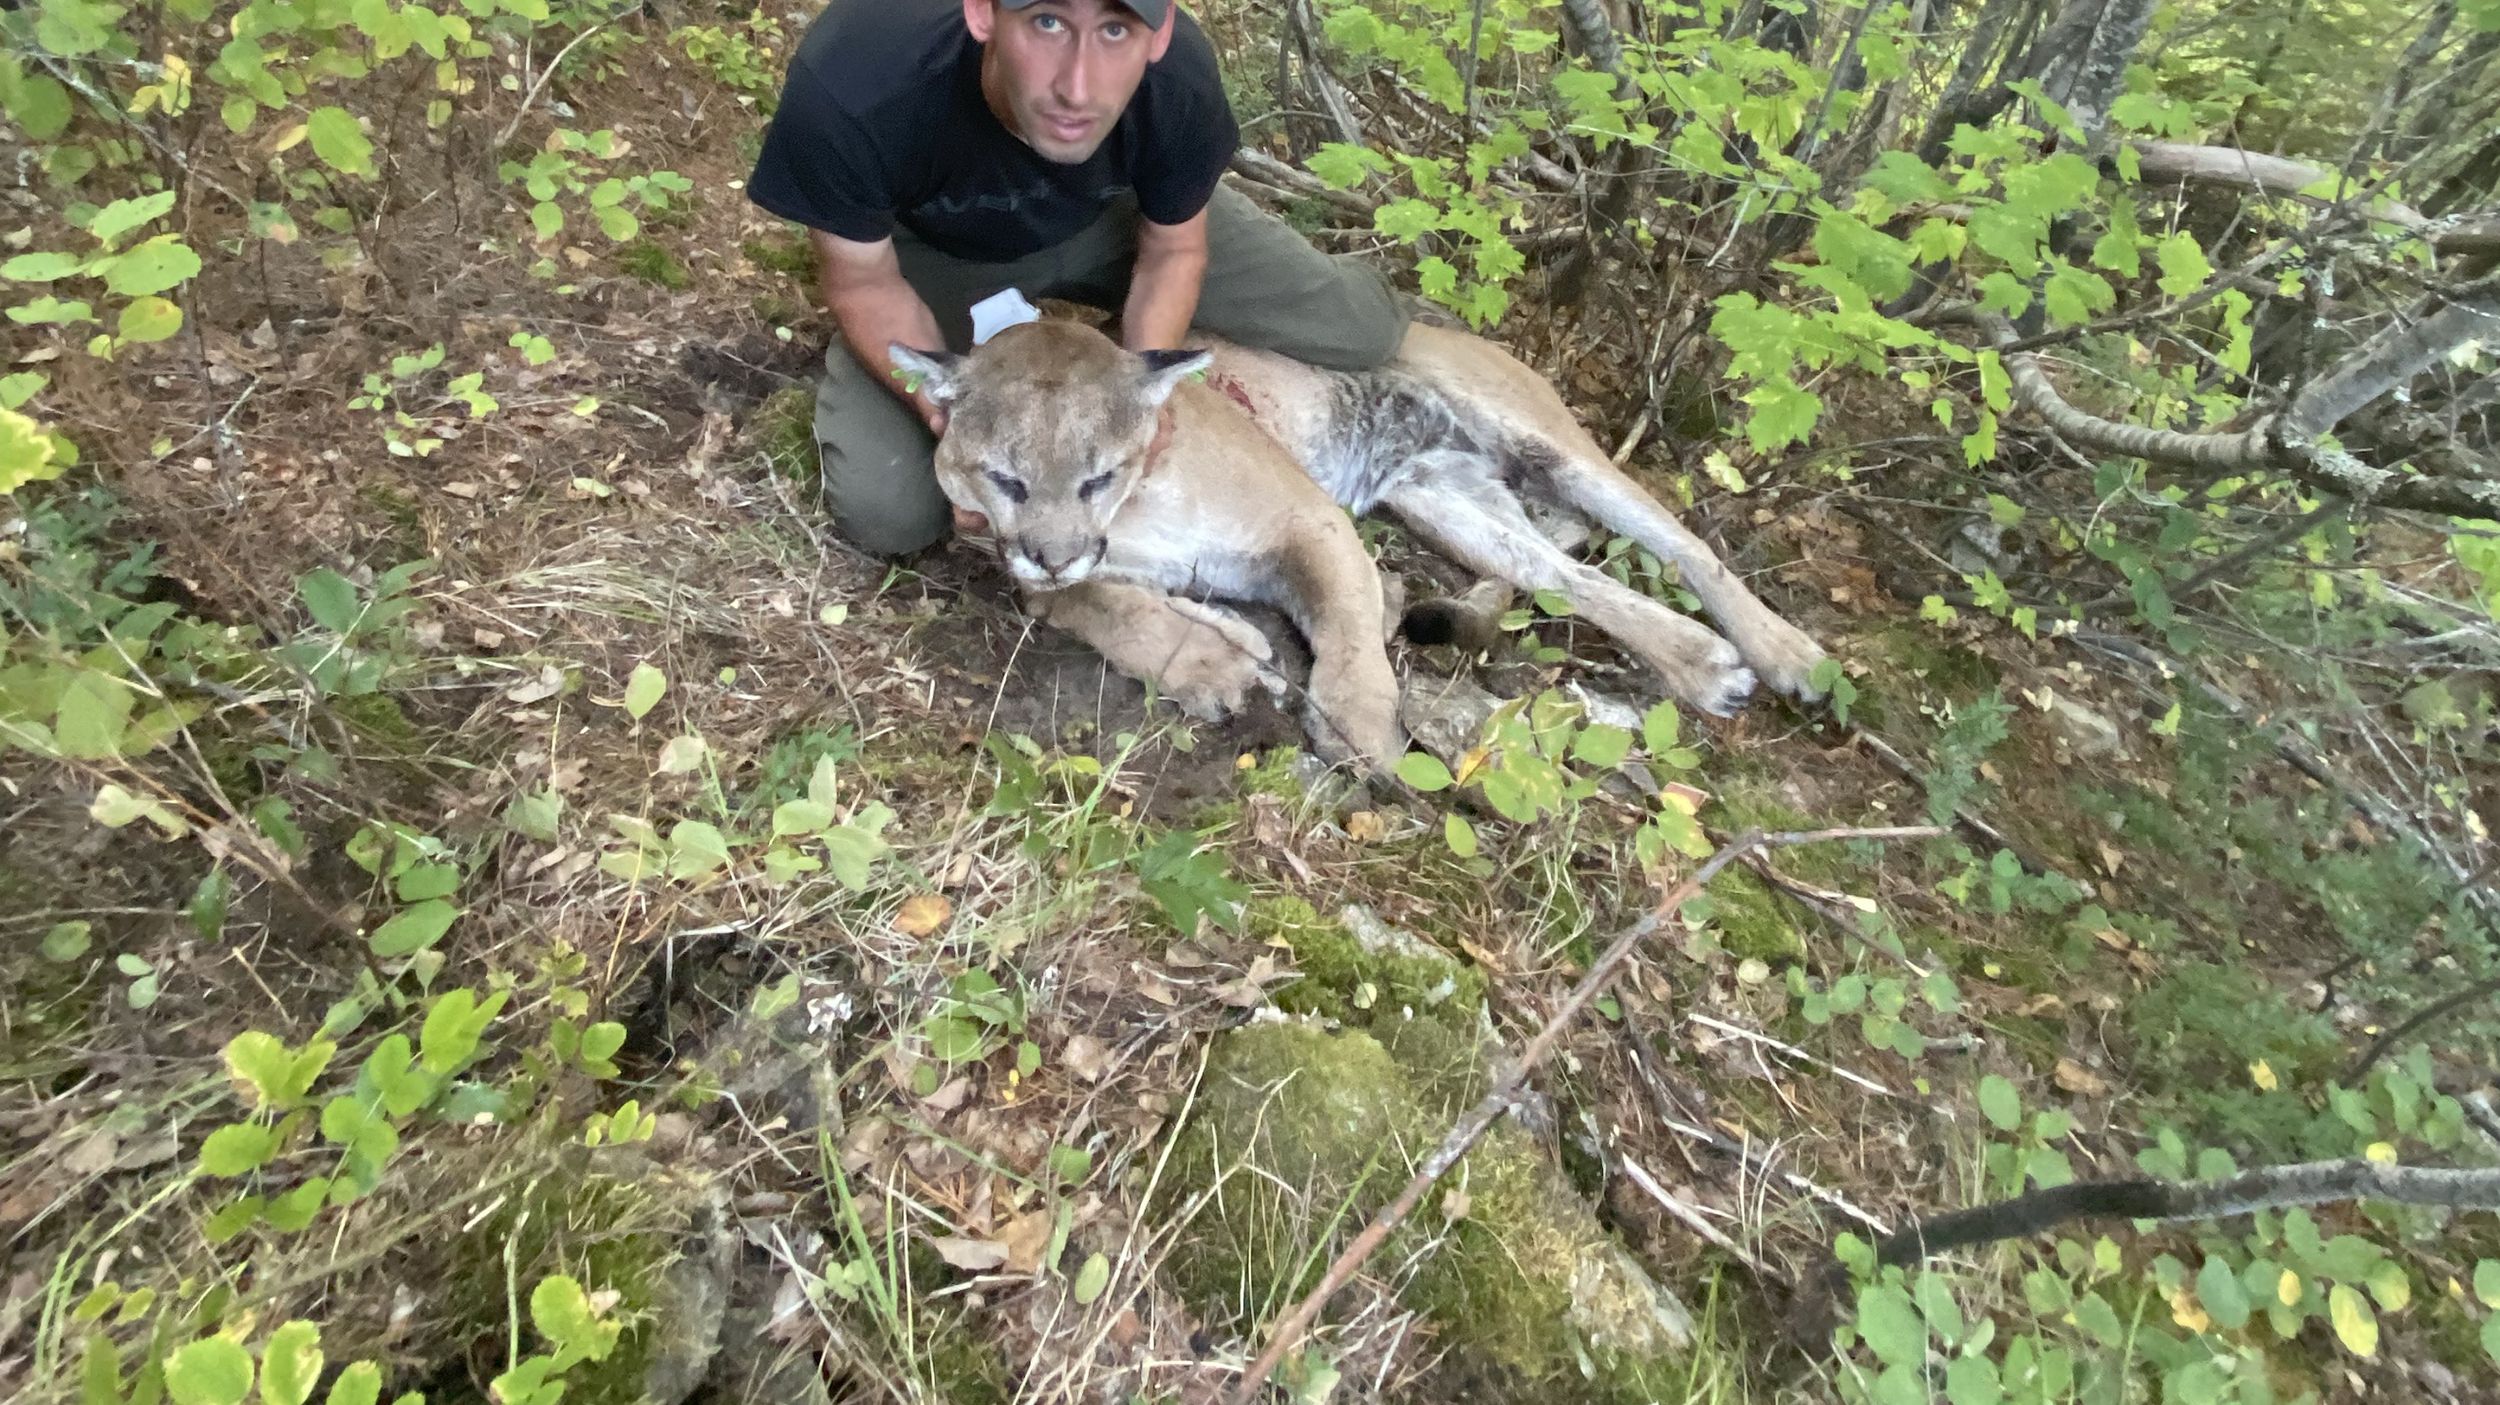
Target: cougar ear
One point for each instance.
(939, 372)
(1165, 370)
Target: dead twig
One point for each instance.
(1478, 1120)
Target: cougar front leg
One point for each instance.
(1496, 539)
(1204, 658)
(1781, 653)
(1334, 593)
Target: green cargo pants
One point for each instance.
(1265, 287)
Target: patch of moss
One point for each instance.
(965, 1369)
(785, 429)
(1312, 1132)
(1362, 978)
(646, 260)
(406, 520)
(615, 1225)
(378, 718)
(1907, 655)
(1752, 921)
(789, 254)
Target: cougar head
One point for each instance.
(1048, 428)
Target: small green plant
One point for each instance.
(741, 56)
(1540, 758)
(356, 642)
(561, 171)
(409, 407)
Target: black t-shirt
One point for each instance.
(882, 122)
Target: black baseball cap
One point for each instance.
(1153, 12)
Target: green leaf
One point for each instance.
(1424, 771)
(1891, 1325)
(359, 1383)
(696, 849)
(67, 941)
(339, 141)
(643, 689)
(534, 814)
(161, 263)
(453, 1027)
(290, 1364)
(1188, 879)
(39, 105)
(2487, 1282)
(2184, 268)
(94, 712)
(1972, 1380)
(2491, 1337)
(123, 216)
(237, 1149)
(28, 452)
(2220, 1293)
(414, 930)
(1602, 746)
(800, 817)
(1093, 1278)
(2000, 1103)
(428, 880)
(211, 1371)
(1784, 413)
(148, 320)
(42, 266)
(1459, 835)
(1071, 1164)
(331, 599)
(2355, 1325)
(601, 1041)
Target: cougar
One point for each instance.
(1127, 499)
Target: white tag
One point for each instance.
(999, 311)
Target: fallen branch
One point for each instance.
(1480, 1119)
(2267, 1188)
(2284, 443)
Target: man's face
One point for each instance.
(1060, 72)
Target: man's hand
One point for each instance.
(863, 287)
(1163, 288)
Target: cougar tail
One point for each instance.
(1471, 620)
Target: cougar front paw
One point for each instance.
(1215, 658)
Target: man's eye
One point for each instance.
(1046, 23)
(1115, 32)
(1093, 485)
(1008, 484)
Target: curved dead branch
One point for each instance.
(2287, 443)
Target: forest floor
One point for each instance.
(903, 1119)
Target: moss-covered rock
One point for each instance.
(1356, 968)
(1308, 1132)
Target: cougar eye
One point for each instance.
(1093, 485)
(1009, 484)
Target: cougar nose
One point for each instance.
(1039, 555)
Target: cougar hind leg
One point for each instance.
(1462, 510)
(1204, 658)
(1782, 654)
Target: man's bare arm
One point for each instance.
(1163, 288)
(863, 287)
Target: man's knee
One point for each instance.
(879, 483)
(1374, 323)
(882, 524)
